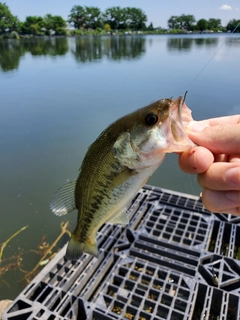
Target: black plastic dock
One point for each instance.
(175, 260)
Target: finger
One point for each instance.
(197, 126)
(197, 160)
(221, 176)
(220, 201)
(220, 139)
(234, 158)
(223, 120)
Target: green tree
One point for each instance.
(202, 24)
(77, 17)
(184, 21)
(8, 22)
(173, 22)
(214, 24)
(232, 24)
(115, 17)
(33, 25)
(48, 22)
(150, 27)
(93, 17)
(135, 18)
(124, 18)
(107, 27)
(55, 23)
(86, 17)
(187, 21)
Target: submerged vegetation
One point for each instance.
(86, 20)
(44, 252)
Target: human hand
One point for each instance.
(216, 161)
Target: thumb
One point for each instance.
(221, 139)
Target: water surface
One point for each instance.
(57, 95)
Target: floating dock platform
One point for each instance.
(175, 260)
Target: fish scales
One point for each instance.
(93, 193)
(117, 165)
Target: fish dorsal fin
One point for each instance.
(63, 201)
(120, 218)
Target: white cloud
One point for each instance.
(236, 9)
(226, 7)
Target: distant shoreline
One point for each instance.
(75, 33)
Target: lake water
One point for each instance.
(57, 95)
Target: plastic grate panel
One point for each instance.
(176, 199)
(136, 287)
(176, 225)
(175, 260)
(225, 240)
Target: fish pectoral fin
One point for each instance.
(75, 248)
(120, 218)
(63, 201)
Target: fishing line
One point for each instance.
(204, 67)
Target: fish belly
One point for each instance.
(119, 198)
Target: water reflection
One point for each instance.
(213, 42)
(186, 44)
(233, 42)
(11, 51)
(46, 47)
(88, 49)
(179, 44)
(114, 48)
(126, 48)
(84, 49)
(10, 54)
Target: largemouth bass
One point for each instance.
(117, 165)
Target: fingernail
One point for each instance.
(233, 176)
(195, 126)
(233, 196)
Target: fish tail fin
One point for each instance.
(76, 248)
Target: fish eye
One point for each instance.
(151, 119)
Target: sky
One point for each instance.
(157, 11)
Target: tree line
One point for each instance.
(189, 23)
(112, 19)
(80, 18)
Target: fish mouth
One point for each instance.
(180, 116)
